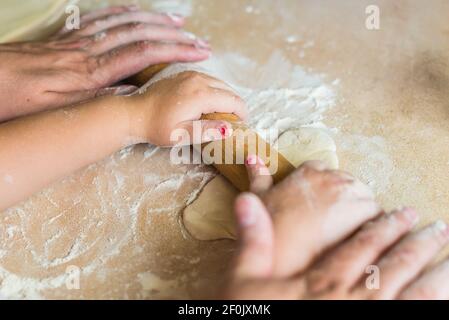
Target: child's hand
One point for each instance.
(177, 102)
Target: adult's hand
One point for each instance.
(111, 45)
(384, 247)
(325, 206)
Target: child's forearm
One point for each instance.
(40, 149)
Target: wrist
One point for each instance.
(139, 118)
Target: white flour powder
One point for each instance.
(278, 94)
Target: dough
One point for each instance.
(30, 19)
(210, 216)
(300, 145)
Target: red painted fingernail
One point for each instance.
(223, 131)
(251, 160)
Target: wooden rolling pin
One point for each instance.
(236, 173)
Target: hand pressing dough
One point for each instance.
(211, 217)
(30, 19)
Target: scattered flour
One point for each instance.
(376, 166)
(181, 7)
(278, 93)
(291, 39)
(158, 288)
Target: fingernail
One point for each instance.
(216, 132)
(225, 131)
(441, 227)
(202, 43)
(204, 51)
(251, 160)
(175, 17)
(410, 214)
(190, 35)
(247, 216)
(199, 43)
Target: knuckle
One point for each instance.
(136, 26)
(405, 256)
(367, 238)
(143, 46)
(89, 41)
(78, 56)
(92, 65)
(102, 24)
(92, 70)
(322, 283)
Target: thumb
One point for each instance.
(255, 257)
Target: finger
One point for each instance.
(430, 286)
(72, 98)
(224, 101)
(260, 179)
(335, 208)
(407, 259)
(344, 266)
(96, 14)
(136, 32)
(255, 257)
(314, 164)
(220, 98)
(200, 131)
(119, 64)
(130, 17)
(105, 12)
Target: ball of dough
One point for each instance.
(304, 144)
